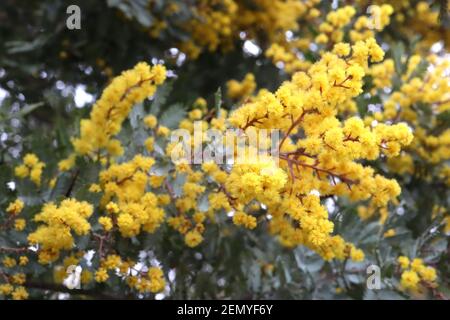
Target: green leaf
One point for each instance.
(178, 184)
(398, 51)
(254, 276)
(444, 117)
(136, 116)
(383, 294)
(203, 203)
(420, 69)
(172, 116)
(29, 108)
(83, 242)
(160, 97)
(134, 9)
(62, 184)
(218, 101)
(15, 47)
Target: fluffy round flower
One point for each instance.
(193, 238)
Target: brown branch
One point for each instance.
(169, 190)
(317, 170)
(72, 183)
(250, 123)
(295, 124)
(14, 250)
(230, 198)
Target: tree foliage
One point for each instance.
(92, 205)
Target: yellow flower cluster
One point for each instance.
(414, 273)
(55, 234)
(243, 219)
(150, 121)
(287, 56)
(431, 142)
(17, 293)
(188, 221)
(412, 18)
(382, 73)
(211, 28)
(20, 224)
(16, 207)
(366, 212)
(365, 26)
(67, 163)
(217, 23)
(323, 162)
(260, 179)
(108, 113)
(331, 29)
(14, 282)
(423, 19)
(101, 275)
(32, 167)
(151, 280)
(9, 262)
(193, 238)
(136, 208)
(240, 90)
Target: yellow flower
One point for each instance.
(58, 222)
(112, 207)
(195, 114)
(15, 207)
(428, 274)
(149, 144)
(30, 160)
(389, 233)
(52, 183)
(95, 188)
(6, 289)
(101, 275)
(157, 282)
(31, 168)
(108, 113)
(341, 49)
(106, 223)
(112, 261)
(193, 238)
(409, 280)
(150, 121)
(163, 131)
(9, 262)
(22, 171)
(68, 163)
(416, 264)
(356, 255)
(20, 293)
(403, 261)
(19, 224)
(241, 90)
(245, 220)
(18, 278)
(23, 260)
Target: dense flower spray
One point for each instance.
(329, 149)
